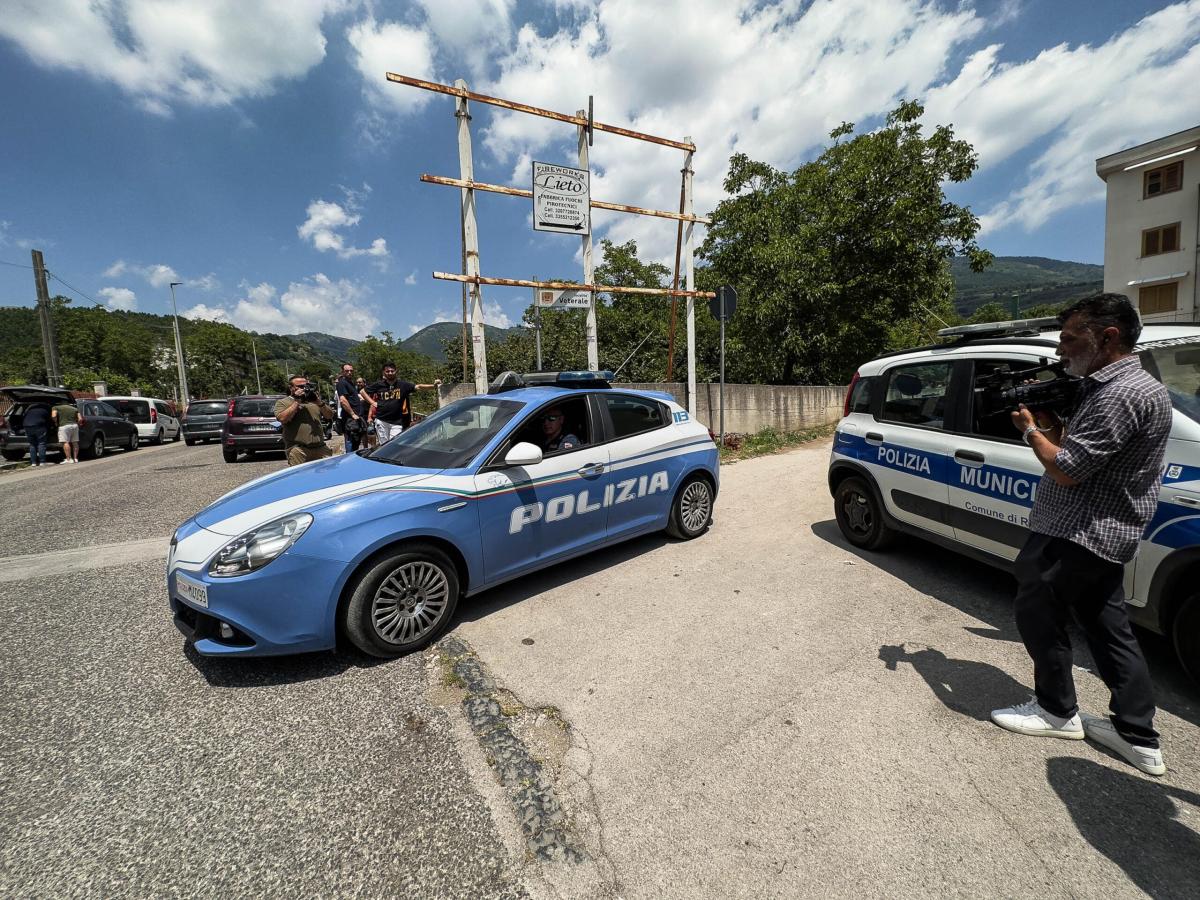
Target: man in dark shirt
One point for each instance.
(390, 401)
(36, 422)
(1103, 471)
(301, 413)
(350, 408)
(553, 438)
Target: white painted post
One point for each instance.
(690, 281)
(471, 239)
(593, 349)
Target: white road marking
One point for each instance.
(97, 556)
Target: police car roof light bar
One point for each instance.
(511, 381)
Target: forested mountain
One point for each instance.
(430, 339)
(1022, 280)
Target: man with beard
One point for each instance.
(1100, 489)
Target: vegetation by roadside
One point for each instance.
(769, 440)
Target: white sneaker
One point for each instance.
(1030, 718)
(1103, 732)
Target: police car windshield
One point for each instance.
(451, 437)
(1176, 363)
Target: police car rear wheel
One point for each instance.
(859, 516)
(403, 602)
(691, 511)
(1185, 634)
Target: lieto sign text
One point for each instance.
(561, 199)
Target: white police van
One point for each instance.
(919, 450)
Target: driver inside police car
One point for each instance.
(553, 437)
(1100, 489)
(301, 413)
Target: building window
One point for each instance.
(1163, 239)
(1162, 180)
(1158, 298)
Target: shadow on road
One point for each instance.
(965, 686)
(555, 576)
(986, 593)
(1133, 821)
(268, 671)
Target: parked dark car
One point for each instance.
(100, 426)
(251, 426)
(203, 420)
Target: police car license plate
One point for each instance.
(191, 591)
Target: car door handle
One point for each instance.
(874, 437)
(969, 457)
(1187, 501)
(591, 469)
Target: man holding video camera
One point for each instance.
(301, 413)
(1100, 489)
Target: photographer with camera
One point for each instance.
(301, 413)
(1099, 491)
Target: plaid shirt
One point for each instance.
(1114, 448)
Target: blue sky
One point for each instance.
(255, 152)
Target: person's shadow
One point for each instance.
(963, 685)
(1133, 821)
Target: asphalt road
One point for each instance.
(130, 767)
(763, 712)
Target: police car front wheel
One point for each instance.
(691, 510)
(402, 602)
(859, 516)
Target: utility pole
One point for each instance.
(49, 345)
(471, 238)
(537, 326)
(183, 385)
(257, 379)
(593, 350)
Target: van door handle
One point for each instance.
(874, 437)
(969, 457)
(591, 469)
(1186, 501)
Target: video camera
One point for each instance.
(1005, 391)
(310, 393)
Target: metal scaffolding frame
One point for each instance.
(585, 127)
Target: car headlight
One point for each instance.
(254, 549)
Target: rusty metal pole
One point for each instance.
(689, 262)
(675, 281)
(593, 347)
(471, 239)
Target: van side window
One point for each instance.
(860, 397)
(916, 394)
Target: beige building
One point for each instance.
(1151, 223)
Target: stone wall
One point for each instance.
(748, 407)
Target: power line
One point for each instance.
(14, 265)
(70, 288)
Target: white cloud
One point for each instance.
(119, 298)
(325, 220)
(207, 283)
(492, 315)
(411, 278)
(772, 82)
(385, 47)
(158, 275)
(316, 304)
(175, 52)
(1073, 105)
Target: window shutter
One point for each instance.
(1170, 238)
(1150, 242)
(1173, 177)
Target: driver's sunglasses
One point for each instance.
(551, 418)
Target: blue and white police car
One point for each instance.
(918, 450)
(379, 546)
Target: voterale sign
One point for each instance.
(564, 299)
(562, 199)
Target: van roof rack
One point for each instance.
(997, 329)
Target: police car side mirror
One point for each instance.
(523, 454)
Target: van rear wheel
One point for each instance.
(1185, 635)
(859, 516)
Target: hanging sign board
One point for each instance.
(563, 299)
(723, 305)
(562, 199)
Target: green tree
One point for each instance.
(844, 257)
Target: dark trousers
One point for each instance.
(1056, 578)
(36, 436)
